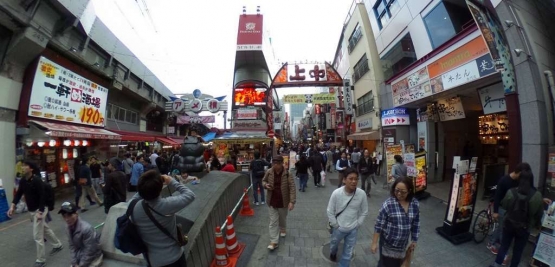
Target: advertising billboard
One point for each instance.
(61, 95)
(249, 34)
(249, 97)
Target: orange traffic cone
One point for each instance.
(234, 248)
(246, 210)
(221, 258)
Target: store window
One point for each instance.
(360, 68)
(5, 37)
(120, 114)
(355, 37)
(365, 104)
(446, 20)
(400, 56)
(384, 10)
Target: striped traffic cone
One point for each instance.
(246, 210)
(221, 258)
(234, 248)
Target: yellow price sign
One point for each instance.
(48, 69)
(91, 115)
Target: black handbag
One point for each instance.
(181, 240)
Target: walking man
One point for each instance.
(258, 167)
(317, 164)
(347, 210)
(282, 197)
(329, 162)
(32, 187)
(355, 157)
(366, 170)
(341, 165)
(95, 174)
(85, 175)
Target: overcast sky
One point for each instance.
(191, 44)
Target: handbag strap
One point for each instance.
(147, 209)
(337, 215)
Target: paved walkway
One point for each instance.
(307, 233)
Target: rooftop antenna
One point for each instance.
(244, 10)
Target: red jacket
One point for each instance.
(228, 168)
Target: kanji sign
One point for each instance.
(348, 100)
(60, 94)
(213, 105)
(396, 116)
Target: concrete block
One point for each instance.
(107, 238)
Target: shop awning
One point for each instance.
(243, 138)
(136, 137)
(73, 131)
(373, 135)
(167, 141)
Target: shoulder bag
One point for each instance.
(181, 240)
(339, 213)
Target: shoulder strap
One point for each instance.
(337, 215)
(131, 207)
(147, 209)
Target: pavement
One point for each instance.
(307, 235)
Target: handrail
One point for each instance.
(236, 206)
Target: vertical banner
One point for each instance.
(348, 100)
(422, 136)
(249, 34)
(421, 180)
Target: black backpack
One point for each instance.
(516, 218)
(127, 237)
(258, 168)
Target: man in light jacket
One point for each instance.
(84, 242)
(162, 250)
(281, 198)
(347, 209)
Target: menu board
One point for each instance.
(454, 197)
(421, 179)
(390, 152)
(467, 192)
(545, 249)
(409, 160)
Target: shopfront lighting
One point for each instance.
(66, 178)
(85, 143)
(67, 142)
(64, 153)
(29, 143)
(76, 142)
(41, 144)
(75, 153)
(52, 143)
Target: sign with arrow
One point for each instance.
(396, 116)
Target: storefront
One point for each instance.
(452, 107)
(243, 144)
(61, 116)
(363, 134)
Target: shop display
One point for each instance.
(390, 152)
(421, 179)
(493, 128)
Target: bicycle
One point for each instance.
(484, 223)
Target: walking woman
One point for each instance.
(302, 171)
(398, 221)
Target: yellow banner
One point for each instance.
(322, 98)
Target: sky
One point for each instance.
(191, 44)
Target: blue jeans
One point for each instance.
(498, 233)
(303, 177)
(348, 245)
(520, 243)
(257, 184)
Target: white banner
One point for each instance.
(493, 99)
(461, 75)
(247, 114)
(61, 95)
(348, 100)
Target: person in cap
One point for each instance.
(281, 198)
(84, 242)
(114, 187)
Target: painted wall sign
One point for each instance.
(461, 75)
(364, 124)
(493, 99)
(458, 57)
(450, 109)
(395, 116)
(61, 95)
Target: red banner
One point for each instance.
(195, 119)
(249, 34)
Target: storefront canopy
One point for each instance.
(209, 136)
(373, 135)
(243, 138)
(136, 137)
(167, 141)
(73, 131)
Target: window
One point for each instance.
(120, 114)
(365, 104)
(385, 10)
(446, 20)
(400, 56)
(355, 37)
(360, 68)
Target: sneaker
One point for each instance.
(283, 234)
(493, 250)
(262, 202)
(506, 260)
(256, 203)
(333, 257)
(273, 246)
(56, 250)
(39, 264)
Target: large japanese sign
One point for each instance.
(348, 100)
(250, 125)
(61, 95)
(249, 35)
(322, 98)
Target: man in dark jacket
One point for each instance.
(258, 168)
(317, 164)
(84, 242)
(88, 189)
(114, 188)
(33, 188)
(366, 170)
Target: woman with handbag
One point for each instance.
(398, 221)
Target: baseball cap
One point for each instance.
(68, 208)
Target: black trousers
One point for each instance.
(317, 176)
(179, 263)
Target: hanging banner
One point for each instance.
(450, 109)
(61, 95)
(348, 100)
(493, 99)
(195, 119)
(322, 98)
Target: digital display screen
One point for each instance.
(249, 97)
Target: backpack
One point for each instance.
(258, 168)
(127, 237)
(517, 216)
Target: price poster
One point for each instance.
(390, 152)
(466, 194)
(61, 95)
(421, 180)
